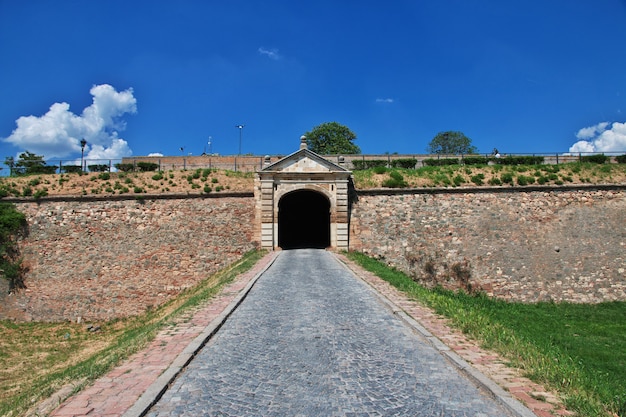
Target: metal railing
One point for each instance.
(254, 163)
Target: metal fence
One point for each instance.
(254, 163)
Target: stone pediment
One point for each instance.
(304, 161)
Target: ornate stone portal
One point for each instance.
(302, 201)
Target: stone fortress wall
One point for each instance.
(94, 259)
(548, 245)
(98, 260)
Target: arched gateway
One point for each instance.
(302, 201)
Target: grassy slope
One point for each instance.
(579, 350)
(36, 359)
(205, 180)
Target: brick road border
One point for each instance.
(488, 369)
(158, 387)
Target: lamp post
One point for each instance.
(83, 142)
(210, 151)
(240, 127)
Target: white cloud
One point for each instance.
(603, 137)
(155, 154)
(589, 132)
(58, 133)
(270, 53)
(384, 100)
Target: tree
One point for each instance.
(10, 162)
(29, 163)
(331, 139)
(13, 225)
(452, 143)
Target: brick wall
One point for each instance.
(103, 259)
(528, 246)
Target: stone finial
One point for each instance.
(303, 144)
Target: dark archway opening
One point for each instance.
(303, 220)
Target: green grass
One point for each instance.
(508, 175)
(37, 359)
(578, 350)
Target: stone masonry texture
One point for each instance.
(98, 260)
(524, 246)
(311, 340)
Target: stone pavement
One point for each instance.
(139, 380)
(131, 389)
(311, 340)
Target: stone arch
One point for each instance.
(288, 187)
(304, 220)
(282, 191)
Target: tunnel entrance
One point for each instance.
(303, 220)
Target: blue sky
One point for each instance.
(142, 77)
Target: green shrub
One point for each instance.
(98, 168)
(12, 226)
(158, 176)
(495, 181)
(27, 191)
(440, 162)
(406, 163)
(395, 180)
(125, 167)
(43, 192)
(542, 180)
(138, 190)
(147, 166)
(478, 179)
(380, 170)
(458, 180)
(621, 159)
(525, 180)
(207, 189)
(594, 159)
(520, 160)
(506, 178)
(105, 176)
(214, 180)
(71, 169)
(475, 160)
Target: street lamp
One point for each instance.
(83, 142)
(210, 151)
(240, 127)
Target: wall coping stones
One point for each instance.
(491, 190)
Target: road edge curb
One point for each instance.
(156, 390)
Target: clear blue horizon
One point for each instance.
(149, 77)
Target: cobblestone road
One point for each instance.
(312, 340)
